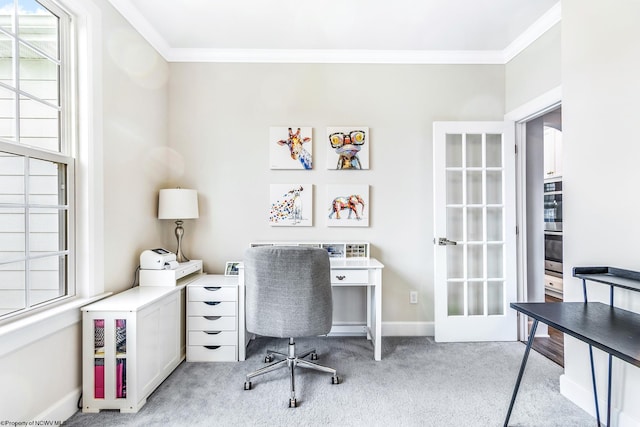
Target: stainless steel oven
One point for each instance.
(553, 253)
(553, 206)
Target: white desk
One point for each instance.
(344, 272)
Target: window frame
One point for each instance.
(68, 142)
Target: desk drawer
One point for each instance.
(222, 353)
(213, 293)
(211, 323)
(349, 276)
(552, 282)
(213, 338)
(211, 308)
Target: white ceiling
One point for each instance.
(407, 31)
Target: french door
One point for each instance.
(475, 231)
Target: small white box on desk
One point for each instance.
(184, 274)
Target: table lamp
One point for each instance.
(178, 204)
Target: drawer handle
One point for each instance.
(212, 302)
(341, 277)
(211, 347)
(213, 288)
(212, 332)
(212, 317)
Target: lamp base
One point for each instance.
(180, 257)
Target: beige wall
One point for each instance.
(534, 71)
(45, 376)
(220, 116)
(600, 69)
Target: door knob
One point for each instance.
(443, 241)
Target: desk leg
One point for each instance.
(369, 322)
(378, 314)
(609, 390)
(595, 389)
(532, 335)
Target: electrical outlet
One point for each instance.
(413, 297)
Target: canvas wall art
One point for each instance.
(290, 147)
(347, 147)
(348, 205)
(291, 205)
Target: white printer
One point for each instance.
(158, 259)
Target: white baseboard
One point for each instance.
(63, 409)
(407, 329)
(583, 397)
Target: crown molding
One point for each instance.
(531, 34)
(335, 56)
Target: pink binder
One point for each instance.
(99, 382)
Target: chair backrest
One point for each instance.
(288, 291)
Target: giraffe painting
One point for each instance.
(290, 148)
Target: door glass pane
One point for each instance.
(474, 151)
(475, 223)
(453, 151)
(494, 224)
(454, 187)
(494, 187)
(495, 297)
(475, 262)
(455, 261)
(454, 224)
(455, 299)
(474, 187)
(494, 150)
(494, 262)
(476, 298)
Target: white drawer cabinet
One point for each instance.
(212, 319)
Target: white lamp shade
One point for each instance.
(178, 203)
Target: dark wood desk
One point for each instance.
(603, 326)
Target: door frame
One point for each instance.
(521, 115)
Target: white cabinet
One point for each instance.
(130, 343)
(212, 319)
(552, 153)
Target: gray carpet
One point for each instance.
(417, 383)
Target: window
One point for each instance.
(36, 156)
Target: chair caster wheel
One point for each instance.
(293, 403)
(268, 359)
(314, 356)
(247, 385)
(335, 380)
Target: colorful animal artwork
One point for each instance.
(289, 205)
(348, 205)
(350, 146)
(297, 156)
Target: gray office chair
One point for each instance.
(288, 295)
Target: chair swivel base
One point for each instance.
(291, 361)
